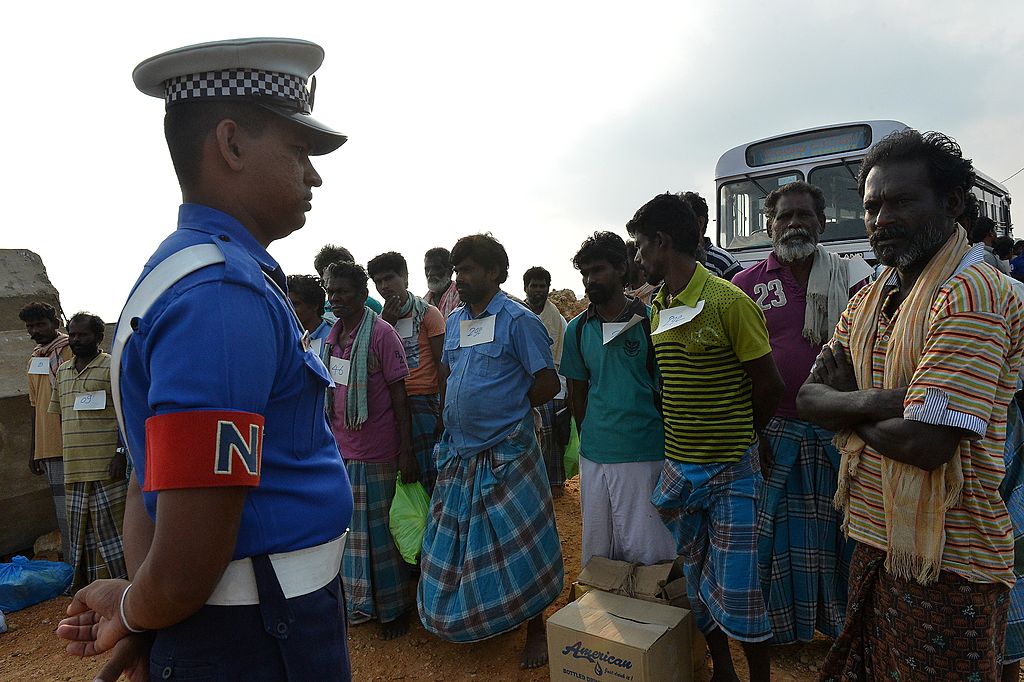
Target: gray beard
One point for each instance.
(925, 242)
(793, 250)
(438, 286)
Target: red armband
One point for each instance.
(206, 449)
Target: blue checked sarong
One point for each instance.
(1012, 492)
(423, 411)
(375, 577)
(710, 510)
(491, 554)
(551, 446)
(803, 556)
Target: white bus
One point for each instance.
(827, 157)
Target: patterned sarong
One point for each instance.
(423, 411)
(54, 468)
(803, 556)
(1012, 492)
(95, 517)
(491, 554)
(898, 629)
(551, 445)
(375, 577)
(714, 523)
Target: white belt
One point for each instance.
(299, 572)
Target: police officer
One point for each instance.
(239, 499)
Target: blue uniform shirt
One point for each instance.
(487, 388)
(224, 338)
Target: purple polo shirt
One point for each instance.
(783, 299)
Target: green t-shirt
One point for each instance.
(622, 423)
(706, 398)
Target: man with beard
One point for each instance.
(721, 387)
(609, 361)
(94, 465)
(421, 328)
(441, 290)
(46, 450)
(717, 260)
(916, 382)
(491, 555)
(802, 289)
(537, 286)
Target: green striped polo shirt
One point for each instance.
(706, 394)
(90, 436)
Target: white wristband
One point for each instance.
(124, 619)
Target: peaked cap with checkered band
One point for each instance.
(269, 72)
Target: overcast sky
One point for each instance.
(538, 121)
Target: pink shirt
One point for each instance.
(783, 299)
(377, 440)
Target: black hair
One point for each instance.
(37, 310)
(798, 187)
(667, 213)
(309, 289)
(353, 272)
(187, 124)
(485, 251)
(606, 246)
(93, 322)
(331, 253)
(392, 261)
(1002, 246)
(981, 228)
(536, 272)
(947, 167)
(439, 252)
(697, 203)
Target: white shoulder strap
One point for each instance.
(160, 279)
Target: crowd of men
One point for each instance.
(827, 454)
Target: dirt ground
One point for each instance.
(31, 650)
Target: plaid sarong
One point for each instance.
(423, 411)
(95, 517)
(550, 444)
(1012, 492)
(491, 554)
(803, 556)
(710, 509)
(54, 468)
(375, 577)
(898, 629)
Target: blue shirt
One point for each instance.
(622, 422)
(225, 338)
(488, 384)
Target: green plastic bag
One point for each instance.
(571, 459)
(408, 518)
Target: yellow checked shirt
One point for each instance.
(706, 395)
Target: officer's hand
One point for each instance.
(391, 310)
(94, 622)
(35, 467)
(130, 658)
(407, 465)
(118, 466)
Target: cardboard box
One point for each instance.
(663, 583)
(605, 637)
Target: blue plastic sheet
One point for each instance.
(24, 583)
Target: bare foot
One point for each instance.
(557, 491)
(395, 628)
(535, 653)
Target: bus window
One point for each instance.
(844, 210)
(741, 209)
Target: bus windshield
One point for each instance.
(844, 210)
(741, 209)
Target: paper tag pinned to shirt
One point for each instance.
(39, 366)
(612, 330)
(339, 370)
(858, 269)
(93, 400)
(404, 327)
(475, 332)
(670, 318)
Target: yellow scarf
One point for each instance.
(914, 501)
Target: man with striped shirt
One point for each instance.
(915, 383)
(720, 388)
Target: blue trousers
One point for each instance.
(297, 639)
